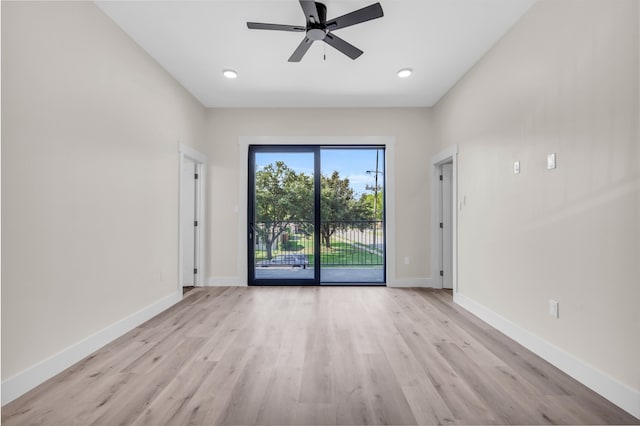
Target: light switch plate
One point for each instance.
(516, 168)
(551, 161)
(554, 308)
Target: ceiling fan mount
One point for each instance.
(317, 27)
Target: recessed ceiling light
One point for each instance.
(230, 74)
(404, 72)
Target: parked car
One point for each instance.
(293, 260)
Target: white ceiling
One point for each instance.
(195, 40)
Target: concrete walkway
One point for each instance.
(327, 274)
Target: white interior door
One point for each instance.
(447, 223)
(188, 221)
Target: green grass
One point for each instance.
(340, 253)
(343, 253)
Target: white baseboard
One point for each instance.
(226, 282)
(618, 393)
(410, 282)
(26, 380)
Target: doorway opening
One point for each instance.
(316, 215)
(446, 222)
(444, 219)
(191, 218)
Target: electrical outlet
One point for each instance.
(554, 308)
(407, 260)
(551, 161)
(516, 168)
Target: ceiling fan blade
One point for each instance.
(368, 13)
(310, 11)
(347, 48)
(301, 50)
(276, 27)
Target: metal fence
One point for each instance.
(344, 243)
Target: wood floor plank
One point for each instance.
(143, 388)
(312, 356)
(316, 386)
(459, 397)
(313, 414)
(505, 406)
(389, 403)
(248, 394)
(427, 405)
(453, 332)
(534, 369)
(281, 402)
(216, 390)
(172, 402)
(351, 405)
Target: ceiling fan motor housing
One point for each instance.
(317, 30)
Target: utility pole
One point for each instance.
(375, 189)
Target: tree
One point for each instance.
(339, 207)
(368, 199)
(282, 197)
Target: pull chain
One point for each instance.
(325, 50)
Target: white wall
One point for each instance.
(410, 126)
(564, 80)
(90, 131)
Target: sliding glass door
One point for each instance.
(316, 215)
(352, 249)
(282, 209)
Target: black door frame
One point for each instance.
(315, 149)
(251, 205)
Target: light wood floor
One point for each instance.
(330, 355)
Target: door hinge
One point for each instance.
(440, 177)
(442, 273)
(195, 223)
(195, 176)
(195, 270)
(441, 225)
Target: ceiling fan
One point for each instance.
(319, 29)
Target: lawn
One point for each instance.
(341, 253)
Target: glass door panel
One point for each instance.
(282, 215)
(351, 230)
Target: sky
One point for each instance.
(350, 163)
